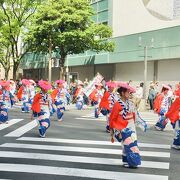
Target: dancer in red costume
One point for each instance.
(95, 98)
(41, 106)
(59, 98)
(174, 115)
(5, 97)
(122, 126)
(161, 106)
(107, 101)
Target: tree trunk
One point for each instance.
(62, 71)
(14, 72)
(6, 74)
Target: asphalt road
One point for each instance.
(79, 148)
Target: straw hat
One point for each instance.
(25, 82)
(4, 83)
(60, 81)
(126, 86)
(44, 85)
(111, 84)
(166, 86)
(32, 82)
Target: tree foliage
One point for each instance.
(14, 15)
(67, 24)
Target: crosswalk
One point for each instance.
(78, 158)
(77, 152)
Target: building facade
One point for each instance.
(141, 29)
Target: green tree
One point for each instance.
(67, 24)
(14, 15)
(5, 56)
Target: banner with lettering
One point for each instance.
(91, 86)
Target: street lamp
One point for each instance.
(146, 47)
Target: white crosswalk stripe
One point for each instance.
(76, 141)
(82, 149)
(9, 123)
(23, 129)
(96, 154)
(99, 174)
(19, 131)
(79, 159)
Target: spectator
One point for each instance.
(151, 97)
(138, 95)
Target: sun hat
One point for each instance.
(11, 82)
(32, 82)
(4, 83)
(60, 81)
(166, 86)
(44, 84)
(25, 81)
(126, 86)
(111, 84)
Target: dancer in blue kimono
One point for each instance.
(5, 101)
(41, 107)
(59, 98)
(122, 126)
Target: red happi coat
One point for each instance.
(116, 119)
(94, 95)
(158, 102)
(36, 104)
(78, 92)
(19, 93)
(174, 111)
(105, 101)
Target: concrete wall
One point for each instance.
(83, 72)
(131, 16)
(169, 70)
(134, 71)
(107, 70)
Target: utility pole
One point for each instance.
(50, 60)
(145, 72)
(146, 47)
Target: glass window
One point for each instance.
(103, 5)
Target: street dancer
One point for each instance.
(174, 115)
(23, 95)
(5, 99)
(161, 106)
(95, 98)
(41, 107)
(32, 91)
(122, 126)
(79, 94)
(107, 102)
(59, 98)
